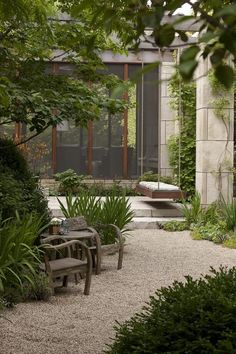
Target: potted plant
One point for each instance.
(54, 226)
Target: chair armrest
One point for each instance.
(115, 228)
(66, 244)
(70, 246)
(51, 238)
(91, 229)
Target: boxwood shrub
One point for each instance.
(198, 316)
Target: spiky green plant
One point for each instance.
(113, 210)
(19, 256)
(228, 211)
(71, 208)
(117, 210)
(90, 207)
(192, 211)
(85, 204)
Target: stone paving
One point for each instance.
(148, 212)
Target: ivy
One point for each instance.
(182, 147)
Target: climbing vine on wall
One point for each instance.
(220, 104)
(182, 147)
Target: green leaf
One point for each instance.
(183, 35)
(187, 68)
(164, 35)
(217, 56)
(225, 74)
(208, 36)
(227, 10)
(189, 53)
(174, 5)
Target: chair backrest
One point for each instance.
(76, 223)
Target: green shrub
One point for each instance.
(175, 226)
(231, 241)
(11, 195)
(103, 190)
(211, 232)
(11, 297)
(69, 182)
(192, 211)
(197, 316)
(19, 257)
(150, 176)
(39, 289)
(11, 157)
(19, 189)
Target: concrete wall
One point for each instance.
(214, 142)
(168, 124)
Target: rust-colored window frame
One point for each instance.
(55, 71)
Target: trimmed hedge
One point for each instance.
(196, 317)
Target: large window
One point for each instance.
(124, 145)
(116, 146)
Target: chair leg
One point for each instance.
(120, 257)
(76, 279)
(98, 254)
(51, 284)
(65, 281)
(88, 282)
(88, 274)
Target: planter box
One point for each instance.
(54, 229)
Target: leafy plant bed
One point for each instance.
(217, 223)
(69, 182)
(174, 226)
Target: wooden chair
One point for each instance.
(89, 234)
(62, 260)
(79, 224)
(120, 242)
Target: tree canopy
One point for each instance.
(129, 19)
(34, 35)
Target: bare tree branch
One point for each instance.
(33, 136)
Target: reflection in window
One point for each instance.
(38, 152)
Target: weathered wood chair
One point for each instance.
(79, 224)
(78, 228)
(118, 246)
(62, 260)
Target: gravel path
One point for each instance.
(73, 323)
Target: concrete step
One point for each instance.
(148, 213)
(151, 222)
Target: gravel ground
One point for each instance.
(73, 323)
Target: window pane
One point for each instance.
(72, 148)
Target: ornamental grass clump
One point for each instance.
(19, 256)
(112, 210)
(228, 211)
(198, 316)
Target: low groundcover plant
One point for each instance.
(216, 223)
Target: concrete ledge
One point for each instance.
(150, 223)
